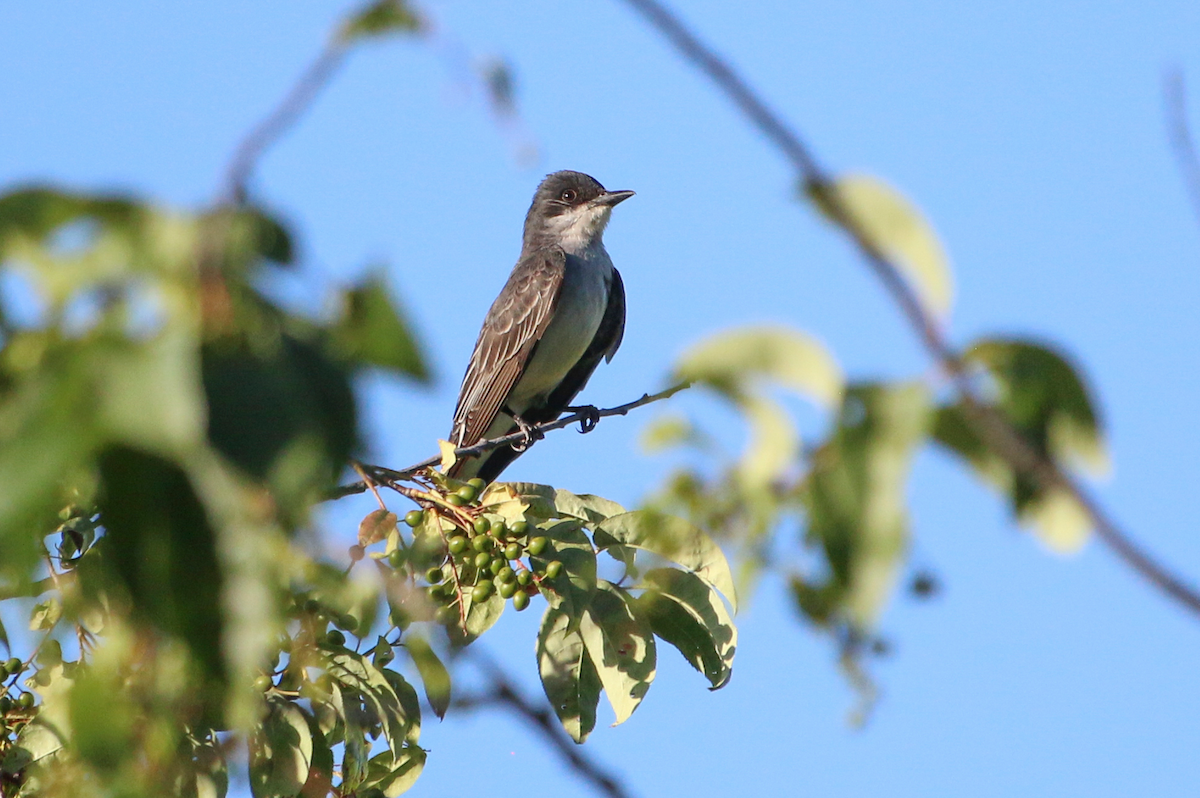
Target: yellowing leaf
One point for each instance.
(449, 458)
(898, 229)
(1058, 521)
(728, 361)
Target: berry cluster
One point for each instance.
(480, 557)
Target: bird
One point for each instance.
(561, 311)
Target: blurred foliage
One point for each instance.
(166, 428)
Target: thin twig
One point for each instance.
(1180, 135)
(995, 430)
(538, 430)
(507, 695)
(280, 119)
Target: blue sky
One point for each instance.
(1031, 134)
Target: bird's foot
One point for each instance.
(532, 434)
(590, 418)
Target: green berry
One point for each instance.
(5, 704)
(347, 622)
(434, 575)
(481, 592)
(520, 529)
(507, 574)
(507, 589)
(457, 545)
(482, 543)
(481, 525)
(497, 565)
(414, 518)
(482, 559)
(262, 683)
(477, 483)
(396, 558)
(456, 500)
(335, 639)
(446, 615)
(25, 701)
(512, 551)
(553, 569)
(467, 493)
(520, 601)
(436, 593)
(13, 665)
(537, 546)
(499, 528)
(524, 578)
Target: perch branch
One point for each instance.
(581, 416)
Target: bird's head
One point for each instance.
(571, 210)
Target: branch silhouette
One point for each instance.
(992, 427)
(586, 417)
(506, 695)
(1180, 135)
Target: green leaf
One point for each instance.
(434, 675)
(36, 742)
(568, 675)
(378, 690)
(672, 538)
(281, 750)
(372, 331)
(45, 615)
(101, 717)
(1044, 395)
(162, 544)
(586, 507)
(568, 544)
(1041, 394)
(283, 411)
(731, 361)
(621, 648)
(481, 616)
(690, 615)
(395, 775)
(898, 229)
(855, 493)
(380, 18)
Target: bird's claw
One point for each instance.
(532, 434)
(591, 417)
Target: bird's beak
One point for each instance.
(611, 198)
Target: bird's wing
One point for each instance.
(604, 344)
(511, 331)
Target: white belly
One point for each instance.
(581, 306)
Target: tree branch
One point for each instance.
(987, 422)
(589, 414)
(506, 695)
(272, 127)
(1180, 135)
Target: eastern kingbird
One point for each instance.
(562, 309)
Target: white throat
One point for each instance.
(579, 229)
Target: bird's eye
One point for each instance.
(568, 195)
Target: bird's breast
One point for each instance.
(582, 301)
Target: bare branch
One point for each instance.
(272, 127)
(1180, 135)
(995, 430)
(582, 416)
(506, 695)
